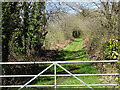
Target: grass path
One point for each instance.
(74, 52)
(84, 68)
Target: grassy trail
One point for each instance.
(84, 68)
(74, 52)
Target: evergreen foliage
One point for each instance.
(23, 28)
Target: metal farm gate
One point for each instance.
(57, 63)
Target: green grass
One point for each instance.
(72, 52)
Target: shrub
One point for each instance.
(111, 49)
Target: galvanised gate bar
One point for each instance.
(57, 63)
